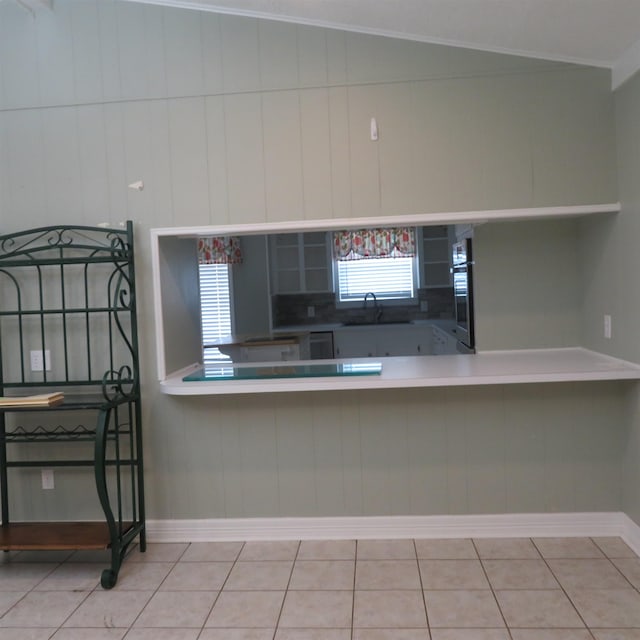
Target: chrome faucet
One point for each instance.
(376, 306)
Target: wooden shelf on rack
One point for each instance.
(24, 536)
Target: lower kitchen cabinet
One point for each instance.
(321, 345)
(413, 342)
(443, 343)
(355, 343)
(376, 341)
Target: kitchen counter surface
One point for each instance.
(308, 328)
(485, 368)
(290, 337)
(445, 325)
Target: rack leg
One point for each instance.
(4, 489)
(140, 478)
(109, 576)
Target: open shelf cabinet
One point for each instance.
(68, 324)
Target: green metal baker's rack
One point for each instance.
(68, 324)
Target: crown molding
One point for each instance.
(626, 66)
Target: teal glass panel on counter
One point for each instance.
(226, 372)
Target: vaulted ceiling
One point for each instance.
(604, 33)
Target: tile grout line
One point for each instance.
(215, 600)
(33, 590)
(611, 560)
(422, 589)
(544, 559)
(297, 557)
(155, 591)
(353, 590)
(493, 593)
(286, 590)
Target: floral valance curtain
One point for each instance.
(388, 242)
(219, 250)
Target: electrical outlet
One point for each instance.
(48, 481)
(311, 312)
(607, 326)
(37, 363)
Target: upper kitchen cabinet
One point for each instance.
(436, 243)
(300, 262)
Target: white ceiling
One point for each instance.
(603, 33)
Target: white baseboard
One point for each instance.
(520, 525)
(631, 533)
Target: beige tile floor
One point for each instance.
(480, 589)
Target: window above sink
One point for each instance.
(379, 262)
(388, 279)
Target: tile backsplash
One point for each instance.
(293, 309)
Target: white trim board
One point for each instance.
(481, 216)
(519, 525)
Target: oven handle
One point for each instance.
(464, 266)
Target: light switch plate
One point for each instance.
(48, 481)
(36, 360)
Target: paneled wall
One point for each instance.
(498, 449)
(528, 290)
(233, 120)
(612, 262)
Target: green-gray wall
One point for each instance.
(612, 263)
(236, 120)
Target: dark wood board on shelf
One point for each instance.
(22, 536)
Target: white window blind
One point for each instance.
(387, 278)
(215, 302)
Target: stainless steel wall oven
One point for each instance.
(462, 270)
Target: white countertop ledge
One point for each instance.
(573, 364)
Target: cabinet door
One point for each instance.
(439, 343)
(300, 262)
(355, 343)
(316, 262)
(443, 343)
(436, 245)
(409, 341)
(286, 263)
